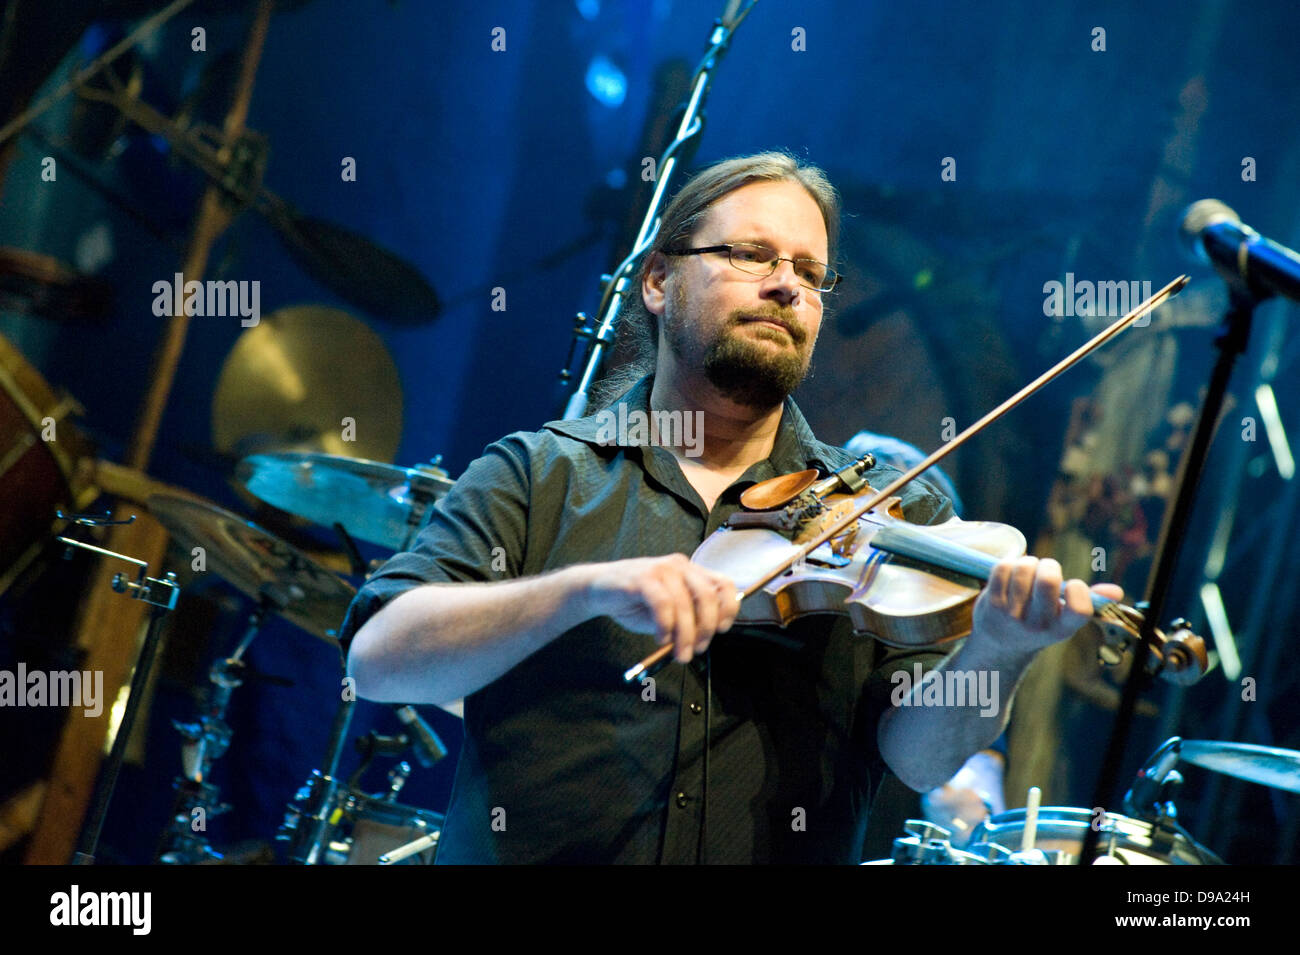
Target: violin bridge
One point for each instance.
(828, 555)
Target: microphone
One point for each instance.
(428, 748)
(1214, 234)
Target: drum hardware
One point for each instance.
(332, 825)
(281, 580)
(161, 595)
(206, 741)
(1266, 765)
(1055, 835)
(307, 827)
(927, 843)
(385, 505)
(312, 822)
(375, 744)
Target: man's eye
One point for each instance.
(812, 272)
(751, 253)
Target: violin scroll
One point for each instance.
(1179, 655)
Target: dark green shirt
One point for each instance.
(563, 761)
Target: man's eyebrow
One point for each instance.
(752, 239)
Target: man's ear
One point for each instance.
(653, 277)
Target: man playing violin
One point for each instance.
(560, 557)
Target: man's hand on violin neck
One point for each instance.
(679, 602)
(1021, 611)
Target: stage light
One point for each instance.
(1224, 642)
(606, 82)
(1267, 403)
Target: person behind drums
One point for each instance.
(559, 558)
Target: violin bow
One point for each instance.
(838, 525)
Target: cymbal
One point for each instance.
(1266, 765)
(257, 563)
(374, 502)
(308, 378)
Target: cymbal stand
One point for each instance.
(308, 827)
(197, 800)
(161, 595)
(423, 496)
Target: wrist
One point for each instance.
(985, 650)
(579, 595)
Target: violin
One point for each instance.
(803, 544)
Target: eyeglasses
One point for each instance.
(760, 260)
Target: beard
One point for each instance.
(740, 367)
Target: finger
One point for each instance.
(728, 603)
(1020, 590)
(999, 582)
(705, 604)
(683, 616)
(723, 595)
(1045, 605)
(659, 607)
(1109, 591)
(1078, 604)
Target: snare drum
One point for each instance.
(356, 829)
(1061, 832)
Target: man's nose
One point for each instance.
(783, 285)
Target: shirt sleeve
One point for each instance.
(893, 669)
(477, 532)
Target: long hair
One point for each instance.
(636, 344)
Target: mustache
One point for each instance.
(785, 319)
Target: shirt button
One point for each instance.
(682, 800)
(696, 708)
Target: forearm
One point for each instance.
(440, 642)
(926, 744)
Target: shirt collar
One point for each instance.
(794, 448)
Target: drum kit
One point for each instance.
(1151, 835)
(329, 822)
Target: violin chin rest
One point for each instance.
(778, 491)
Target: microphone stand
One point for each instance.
(620, 282)
(1231, 343)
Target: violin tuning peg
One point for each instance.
(1109, 656)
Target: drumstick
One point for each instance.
(1031, 819)
(410, 849)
